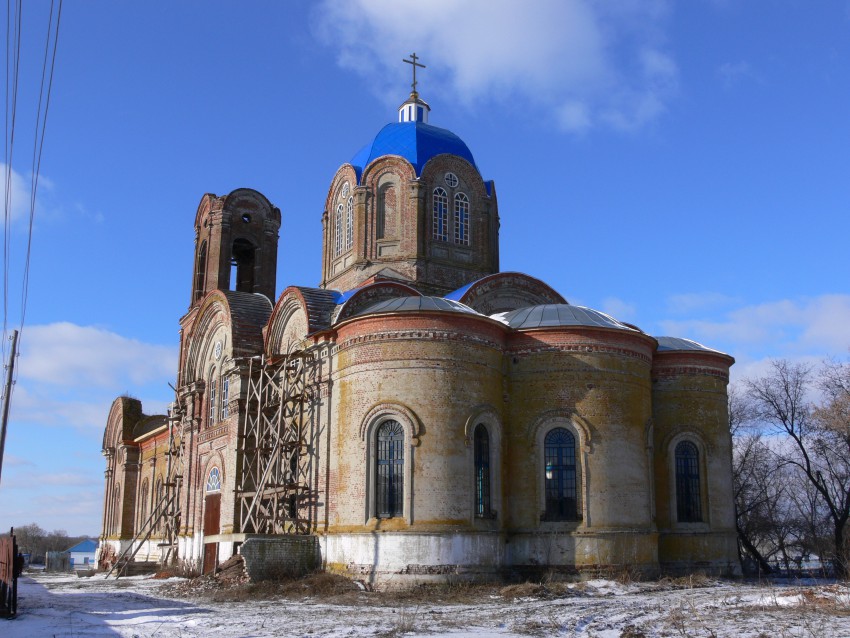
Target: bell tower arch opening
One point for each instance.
(242, 266)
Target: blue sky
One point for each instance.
(682, 166)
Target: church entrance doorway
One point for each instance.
(212, 515)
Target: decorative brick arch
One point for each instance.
(581, 425)
(383, 411)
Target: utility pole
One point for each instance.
(7, 392)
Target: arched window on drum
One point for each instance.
(688, 503)
(561, 476)
(389, 470)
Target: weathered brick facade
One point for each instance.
(529, 434)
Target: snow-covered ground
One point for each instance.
(65, 605)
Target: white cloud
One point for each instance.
(619, 309)
(20, 192)
(68, 355)
(801, 328)
(29, 480)
(691, 302)
(586, 63)
(38, 407)
(733, 73)
(16, 461)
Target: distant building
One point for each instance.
(82, 555)
(419, 413)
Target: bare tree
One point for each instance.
(751, 473)
(818, 445)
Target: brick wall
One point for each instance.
(274, 557)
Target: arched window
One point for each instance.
(441, 215)
(158, 505)
(143, 503)
(225, 396)
(116, 510)
(349, 224)
(461, 219)
(214, 480)
(385, 219)
(389, 479)
(481, 440)
(212, 410)
(688, 506)
(561, 477)
(200, 271)
(338, 233)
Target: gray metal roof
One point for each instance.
(416, 304)
(553, 315)
(668, 344)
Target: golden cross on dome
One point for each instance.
(412, 60)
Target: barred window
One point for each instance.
(349, 224)
(461, 219)
(441, 215)
(338, 234)
(688, 506)
(213, 406)
(561, 476)
(225, 396)
(389, 481)
(482, 471)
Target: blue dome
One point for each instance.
(416, 142)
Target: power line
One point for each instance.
(13, 43)
(38, 147)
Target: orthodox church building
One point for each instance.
(419, 413)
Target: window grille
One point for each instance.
(213, 405)
(461, 219)
(688, 506)
(441, 215)
(390, 470)
(338, 233)
(561, 476)
(349, 224)
(482, 471)
(225, 396)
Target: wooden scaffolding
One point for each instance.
(276, 483)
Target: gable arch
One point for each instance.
(471, 181)
(124, 413)
(506, 291)
(213, 323)
(289, 322)
(400, 167)
(370, 294)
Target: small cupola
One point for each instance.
(414, 108)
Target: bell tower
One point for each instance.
(236, 239)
